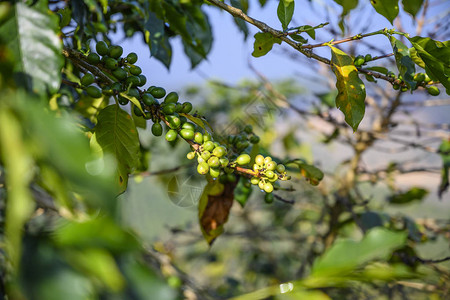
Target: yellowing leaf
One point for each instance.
(351, 89)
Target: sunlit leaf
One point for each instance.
(311, 173)
(351, 89)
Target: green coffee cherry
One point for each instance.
(269, 174)
(133, 81)
(427, 78)
(261, 184)
(132, 58)
(115, 51)
(359, 60)
(142, 80)
(268, 198)
(206, 155)
(203, 168)
(198, 137)
(219, 151)
(274, 178)
(186, 107)
(116, 87)
(206, 137)
(209, 145)
(120, 74)
(213, 162)
(259, 159)
(189, 126)
(368, 57)
(87, 79)
(148, 99)
(102, 48)
(396, 86)
(93, 58)
(214, 172)
(157, 129)
(268, 187)
(168, 109)
(174, 121)
(254, 180)
(243, 159)
(158, 92)
(171, 97)
(418, 77)
(254, 139)
(224, 161)
(433, 90)
(267, 159)
(178, 107)
(280, 168)
(111, 63)
(271, 165)
(187, 134)
(135, 70)
(123, 100)
(93, 91)
(231, 177)
(137, 111)
(248, 129)
(191, 155)
(171, 135)
(133, 92)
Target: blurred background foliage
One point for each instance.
(373, 227)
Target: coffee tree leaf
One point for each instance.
(412, 6)
(31, 36)
(264, 43)
(404, 62)
(351, 89)
(386, 8)
(285, 11)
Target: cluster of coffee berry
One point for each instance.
(420, 78)
(219, 160)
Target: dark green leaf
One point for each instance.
(414, 194)
(242, 25)
(242, 192)
(369, 78)
(351, 89)
(444, 151)
(116, 135)
(66, 16)
(386, 8)
(263, 43)
(346, 255)
(412, 6)
(298, 38)
(285, 11)
(157, 40)
(31, 36)
(435, 55)
(371, 219)
(404, 62)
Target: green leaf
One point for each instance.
(347, 6)
(298, 38)
(116, 135)
(386, 8)
(414, 194)
(347, 255)
(404, 62)
(313, 174)
(31, 37)
(351, 89)
(242, 192)
(65, 15)
(412, 6)
(444, 151)
(381, 70)
(416, 58)
(242, 25)
(285, 11)
(157, 40)
(17, 159)
(264, 43)
(133, 100)
(435, 55)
